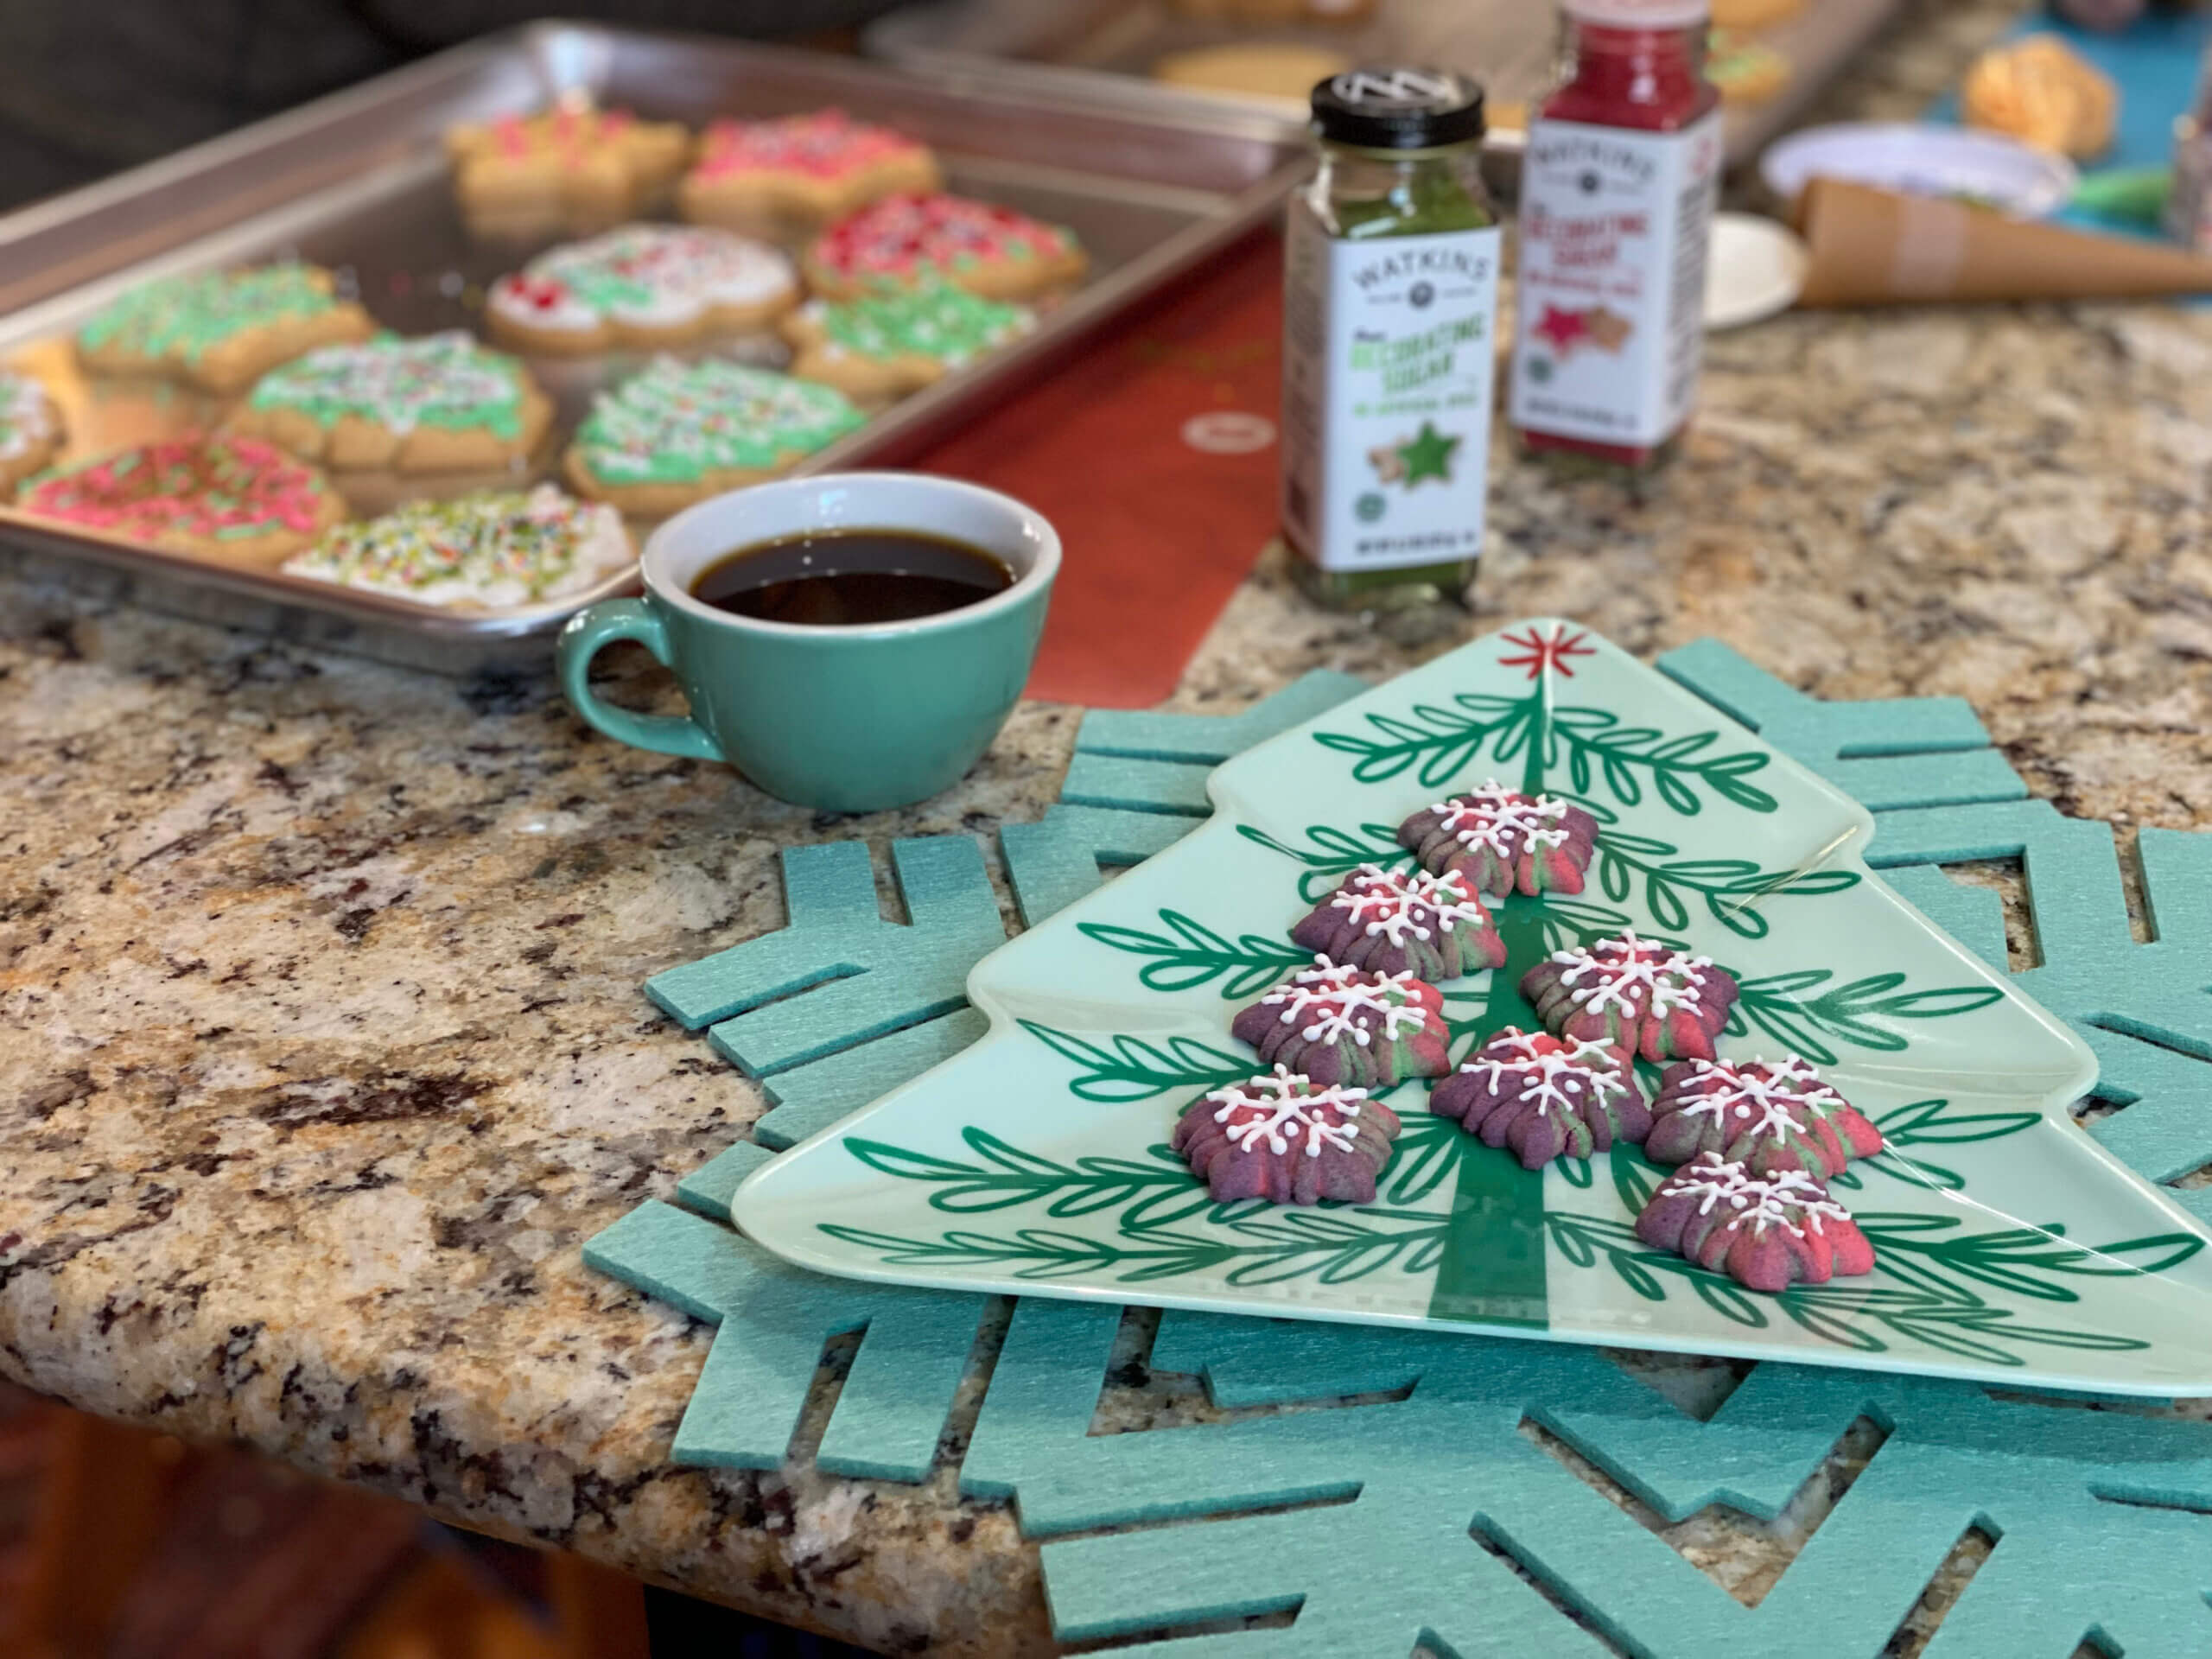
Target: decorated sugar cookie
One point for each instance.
(1768, 1233)
(1503, 841)
(1638, 995)
(30, 429)
(1387, 923)
(488, 550)
(676, 433)
(1746, 71)
(1544, 1098)
(221, 330)
(889, 344)
(1335, 1024)
(903, 241)
(234, 499)
(440, 404)
(1766, 1114)
(570, 169)
(642, 285)
(800, 169)
(1286, 1139)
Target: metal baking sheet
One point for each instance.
(1104, 50)
(358, 182)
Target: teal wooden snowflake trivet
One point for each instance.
(2092, 1510)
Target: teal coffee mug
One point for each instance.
(843, 719)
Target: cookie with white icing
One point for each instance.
(439, 404)
(487, 551)
(909, 241)
(1285, 1138)
(643, 286)
(1766, 1232)
(1544, 1098)
(676, 433)
(1634, 994)
(221, 330)
(1504, 841)
(799, 170)
(568, 169)
(1393, 922)
(889, 344)
(31, 432)
(1341, 1025)
(1766, 1114)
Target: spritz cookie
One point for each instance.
(676, 433)
(30, 429)
(906, 241)
(643, 285)
(889, 344)
(800, 169)
(440, 404)
(236, 500)
(569, 170)
(221, 330)
(491, 550)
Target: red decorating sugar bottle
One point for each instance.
(1617, 195)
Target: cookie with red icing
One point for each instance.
(1504, 841)
(1544, 1098)
(1766, 1114)
(646, 286)
(568, 168)
(1338, 1024)
(1395, 922)
(1766, 1232)
(908, 240)
(231, 499)
(1286, 1139)
(800, 170)
(1638, 995)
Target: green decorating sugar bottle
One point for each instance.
(1390, 302)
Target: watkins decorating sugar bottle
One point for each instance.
(1390, 306)
(1617, 193)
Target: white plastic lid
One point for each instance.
(1640, 14)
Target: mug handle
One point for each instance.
(601, 625)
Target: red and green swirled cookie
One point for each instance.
(234, 499)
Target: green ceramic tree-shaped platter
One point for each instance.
(2009, 1247)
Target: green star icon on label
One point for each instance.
(1428, 455)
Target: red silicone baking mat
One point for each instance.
(1154, 454)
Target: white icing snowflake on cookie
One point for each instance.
(1613, 971)
(1398, 907)
(1757, 1202)
(1504, 820)
(1335, 998)
(1768, 1103)
(1550, 1075)
(1283, 1109)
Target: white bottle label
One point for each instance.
(1388, 368)
(1610, 322)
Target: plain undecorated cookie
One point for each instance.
(573, 171)
(1285, 69)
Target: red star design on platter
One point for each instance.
(1544, 653)
(1561, 329)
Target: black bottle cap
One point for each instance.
(1386, 107)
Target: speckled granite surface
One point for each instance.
(320, 1044)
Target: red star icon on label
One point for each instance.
(1562, 330)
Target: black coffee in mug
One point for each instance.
(850, 578)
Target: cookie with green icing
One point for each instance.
(440, 404)
(492, 550)
(887, 343)
(221, 330)
(676, 433)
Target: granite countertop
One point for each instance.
(321, 1049)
